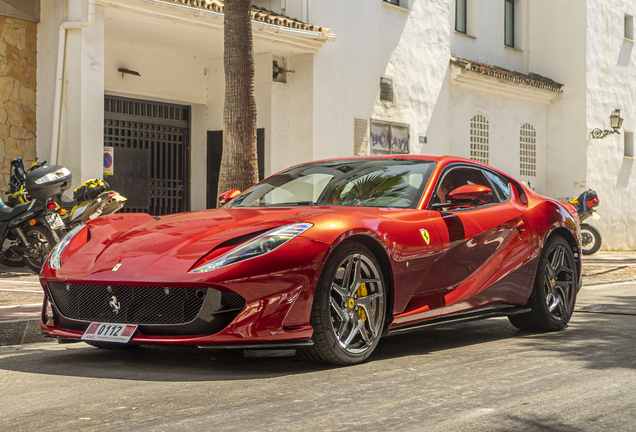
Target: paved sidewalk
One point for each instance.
(21, 294)
(20, 305)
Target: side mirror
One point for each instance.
(472, 192)
(228, 196)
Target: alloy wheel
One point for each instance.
(356, 303)
(559, 283)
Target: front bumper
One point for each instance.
(278, 289)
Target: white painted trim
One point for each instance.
(480, 82)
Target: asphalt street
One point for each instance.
(479, 376)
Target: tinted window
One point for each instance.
(500, 185)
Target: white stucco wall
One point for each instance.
(611, 84)
(484, 40)
(407, 45)
(505, 116)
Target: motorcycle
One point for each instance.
(586, 204)
(90, 200)
(27, 229)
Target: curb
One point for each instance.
(18, 332)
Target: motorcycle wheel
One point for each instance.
(590, 239)
(12, 259)
(38, 233)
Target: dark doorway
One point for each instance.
(151, 143)
(215, 151)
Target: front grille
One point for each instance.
(135, 304)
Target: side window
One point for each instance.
(460, 176)
(501, 186)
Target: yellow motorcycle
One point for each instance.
(91, 200)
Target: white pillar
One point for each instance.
(82, 121)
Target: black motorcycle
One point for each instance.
(28, 229)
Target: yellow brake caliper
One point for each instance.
(362, 292)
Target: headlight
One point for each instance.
(58, 174)
(258, 246)
(55, 258)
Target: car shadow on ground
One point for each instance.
(598, 341)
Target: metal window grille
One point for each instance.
(386, 89)
(528, 151)
(479, 139)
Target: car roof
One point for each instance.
(425, 157)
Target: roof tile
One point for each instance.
(258, 14)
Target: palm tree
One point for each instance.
(239, 164)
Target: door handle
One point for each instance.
(521, 227)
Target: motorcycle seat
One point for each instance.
(7, 213)
(67, 204)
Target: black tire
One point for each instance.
(350, 295)
(112, 345)
(38, 233)
(590, 239)
(555, 287)
(12, 259)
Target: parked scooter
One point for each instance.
(586, 204)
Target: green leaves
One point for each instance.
(368, 189)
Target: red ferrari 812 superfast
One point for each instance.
(326, 257)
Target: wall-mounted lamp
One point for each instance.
(127, 71)
(616, 121)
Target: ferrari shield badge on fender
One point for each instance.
(119, 265)
(425, 236)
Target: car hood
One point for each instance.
(197, 233)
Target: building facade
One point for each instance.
(517, 84)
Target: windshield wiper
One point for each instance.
(301, 203)
(288, 204)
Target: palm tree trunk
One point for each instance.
(239, 164)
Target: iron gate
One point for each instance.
(151, 143)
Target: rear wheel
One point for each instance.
(554, 294)
(42, 239)
(349, 307)
(590, 239)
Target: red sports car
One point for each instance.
(326, 257)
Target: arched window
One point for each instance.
(479, 138)
(528, 150)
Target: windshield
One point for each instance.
(358, 182)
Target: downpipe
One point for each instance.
(59, 74)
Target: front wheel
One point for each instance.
(41, 238)
(554, 293)
(349, 307)
(590, 239)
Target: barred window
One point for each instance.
(528, 151)
(479, 138)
